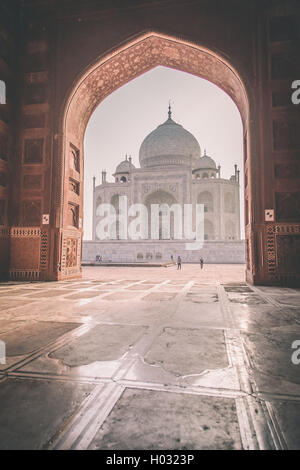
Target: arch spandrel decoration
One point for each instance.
(140, 56)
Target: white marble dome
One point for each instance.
(169, 144)
(205, 163)
(124, 167)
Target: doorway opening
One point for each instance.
(126, 63)
(158, 169)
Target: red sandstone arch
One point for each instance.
(102, 78)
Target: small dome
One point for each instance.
(125, 166)
(169, 144)
(205, 163)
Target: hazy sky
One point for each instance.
(122, 121)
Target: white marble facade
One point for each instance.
(172, 171)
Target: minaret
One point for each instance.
(103, 176)
(170, 111)
(235, 172)
(219, 170)
(94, 182)
(130, 160)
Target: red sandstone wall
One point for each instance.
(56, 42)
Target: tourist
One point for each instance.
(179, 262)
(201, 262)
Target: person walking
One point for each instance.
(201, 262)
(178, 262)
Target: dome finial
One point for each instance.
(170, 111)
(205, 152)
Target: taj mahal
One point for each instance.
(172, 170)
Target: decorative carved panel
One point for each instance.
(44, 250)
(2, 212)
(4, 49)
(3, 146)
(70, 256)
(283, 250)
(74, 158)
(287, 170)
(288, 253)
(25, 253)
(270, 248)
(36, 77)
(32, 181)
(3, 179)
(286, 135)
(283, 28)
(36, 93)
(284, 66)
(74, 186)
(33, 151)
(288, 207)
(73, 214)
(36, 62)
(32, 121)
(247, 254)
(71, 253)
(246, 212)
(281, 99)
(32, 212)
(35, 47)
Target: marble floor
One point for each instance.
(150, 358)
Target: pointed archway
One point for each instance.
(102, 78)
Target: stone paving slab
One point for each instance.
(139, 287)
(32, 411)
(197, 315)
(42, 310)
(242, 289)
(159, 296)
(7, 325)
(189, 351)
(247, 299)
(12, 303)
(47, 365)
(265, 317)
(23, 290)
(100, 343)
(49, 293)
(145, 419)
(288, 416)
(270, 356)
(288, 300)
(32, 336)
(201, 298)
(137, 312)
(83, 295)
(121, 295)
